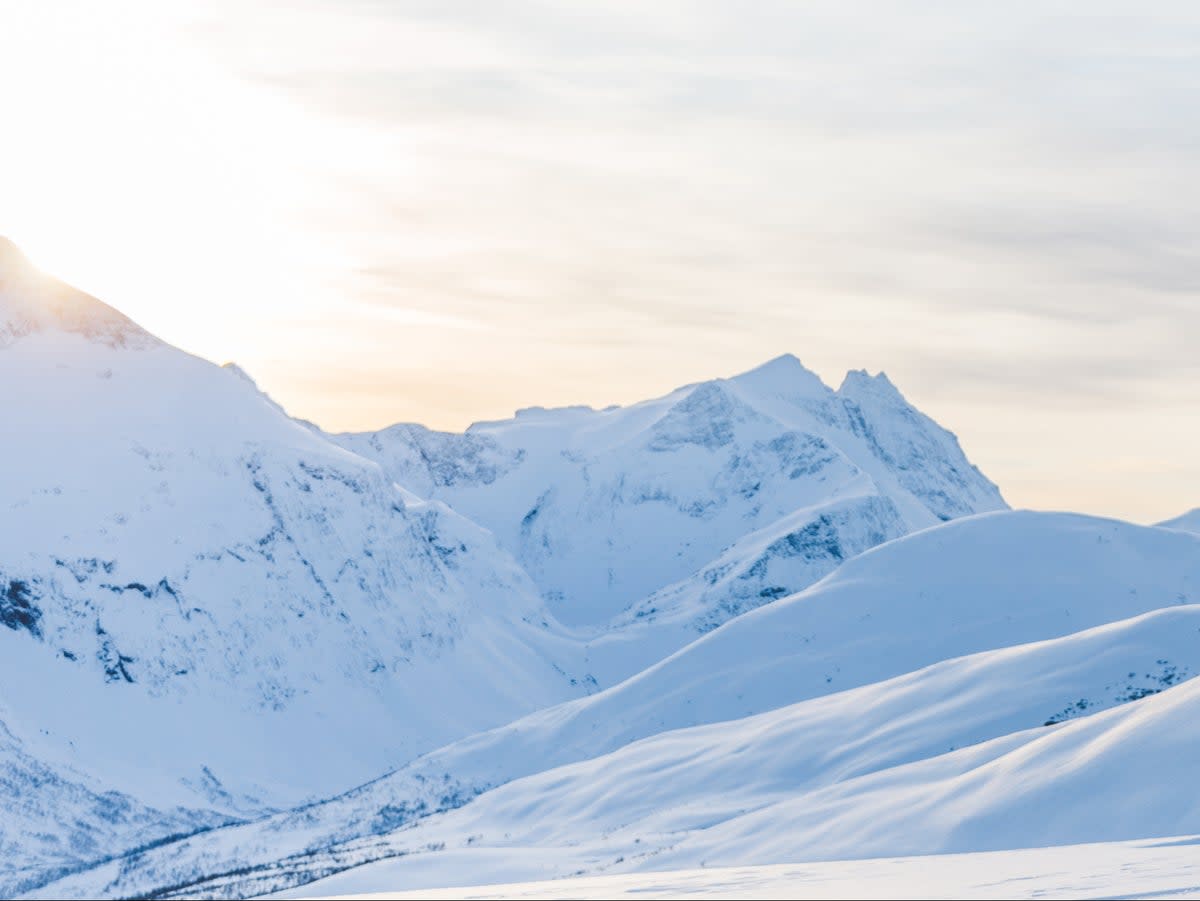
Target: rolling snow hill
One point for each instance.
(1189, 522)
(1103, 778)
(863, 674)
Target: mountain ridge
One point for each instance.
(31, 301)
(574, 626)
(574, 493)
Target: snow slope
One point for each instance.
(60, 818)
(180, 563)
(605, 508)
(1189, 522)
(951, 758)
(786, 556)
(632, 771)
(1113, 775)
(1139, 869)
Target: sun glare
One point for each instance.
(115, 183)
(411, 211)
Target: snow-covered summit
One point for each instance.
(606, 507)
(31, 301)
(783, 375)
(859, 383)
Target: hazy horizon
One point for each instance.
(438, 213)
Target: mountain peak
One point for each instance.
(32, 302)
(859, 382)
(10, 254)
(15, 268)
(784, 374)
(782, 365)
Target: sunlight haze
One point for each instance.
(441, 212)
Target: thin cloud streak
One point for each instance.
(552, 202)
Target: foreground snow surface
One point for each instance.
(1160, 868)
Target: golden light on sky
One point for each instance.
(443, 211)
(148, 175)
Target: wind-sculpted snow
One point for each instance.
(606, 508)
(823, 673)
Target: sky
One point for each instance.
(443, 211)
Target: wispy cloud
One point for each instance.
(994, 202)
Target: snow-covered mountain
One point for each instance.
(925, 645)
(182, 561)
(1189, 522)
(628, 512)
(756, 620)
(208, 606)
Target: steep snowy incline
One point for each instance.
(897, 609)
(181, 563)
(604, 508)
(1189, 522)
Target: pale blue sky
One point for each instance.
(443, 211)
